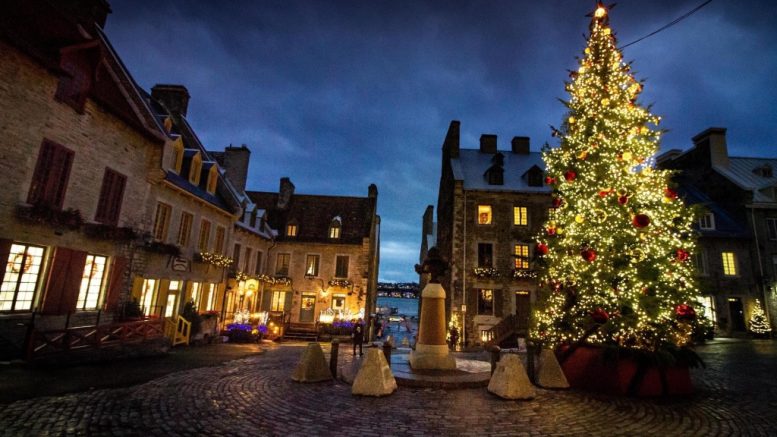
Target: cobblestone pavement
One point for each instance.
(736, 395)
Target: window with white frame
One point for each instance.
(21, 277)
(484, 214)
(338, 302)
(148, 295)
(707, 221)
(278, 301)
(729, 263)
(521, 256)
(311, 265)
(92, 282)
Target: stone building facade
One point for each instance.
(737, 261)
(490, 206)
(324, 260)
(74, 160)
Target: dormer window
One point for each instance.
(168, 124)
(534, 177)
(291, 230)
(213, 178)
(765, 171)
(176, 160)
(75, 84)
(707, 222)
(495, 174)
(195, 168)
(335, 227)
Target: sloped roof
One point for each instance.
(471, 165)
(725, 224)
(313, 214)
(741, 172)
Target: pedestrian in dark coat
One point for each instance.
(358, 336)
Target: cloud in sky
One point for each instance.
(338, 95)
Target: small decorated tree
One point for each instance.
(759, 325)
(618, 243)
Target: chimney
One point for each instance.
(451, 142)
(236, 165)
(175, 98)
(372, 191)
(712, 142)
(85, 12)
(488, 143)
(285, 193)
(520, 145)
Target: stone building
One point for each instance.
(324, 261)
(737, 261)
(252, 238)
(491, 204)
(74, 162)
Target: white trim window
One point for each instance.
(707, 222)
(92, 282)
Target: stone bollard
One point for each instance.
(333, 357)
(496, 352)
(387, 352)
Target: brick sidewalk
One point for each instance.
(737, 394)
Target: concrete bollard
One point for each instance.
(333, 357)
(496, 352)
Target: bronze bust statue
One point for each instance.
(434, 265)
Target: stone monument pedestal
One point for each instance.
(431, 350)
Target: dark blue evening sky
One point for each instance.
(337, 95)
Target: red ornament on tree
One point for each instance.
(556, 202)
(604, 193)
(640, 220)
(681, 255)
(570, 175)
(684, 311)
(600, 316)
(622, 200)
(542, 248)
(549, 180)
(670, 193)
(588, 254)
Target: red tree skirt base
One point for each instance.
(588, 369)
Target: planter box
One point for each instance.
(588, 368)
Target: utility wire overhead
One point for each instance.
(670, 24)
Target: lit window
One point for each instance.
(729, 264)
(195, 169)
(707, 221)
(338, 302)
(341, 266)
(282, 264)
(185, 229)
(210, 297)
(291, 230)
(521, 256)
(161, 221)
(334, 228)
(520, 216)
(196, 287)
(172, 298)
(91, 282)
(484, 214)
(213, 178)
(485, 302)
(148, 296)
(311, 265)
(202, 244)
(708, 307)
(278, 301)
(20, 281)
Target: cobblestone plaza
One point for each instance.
(736, 395)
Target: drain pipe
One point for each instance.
(464, 276)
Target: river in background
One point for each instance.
(407, 307)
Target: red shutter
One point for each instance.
(102, 204)
(5, 250)
(42, 170)
(116, 283)
(52, 171)
(111, 195)
(64, 281)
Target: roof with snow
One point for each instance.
(756, 174)
(472, 164)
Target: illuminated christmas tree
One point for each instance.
(758, 323)
(617, 245)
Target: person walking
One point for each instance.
(358, 336)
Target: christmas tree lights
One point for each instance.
(617, 247)
(759, 325)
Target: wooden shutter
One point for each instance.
(498, 303)
(287, 303)
(64, 281)
(40, 176)
(219, 301)
(161, 296)
(116, 283)
(5, 251)
(111, 194)
(52, 172)
(137, 288)
(266, 300)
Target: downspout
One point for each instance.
(760, 265)
(464, 274)
(264, 270)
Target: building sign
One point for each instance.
(180, 264)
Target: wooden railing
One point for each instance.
(178, 330)
(54, 341)
(501, 331)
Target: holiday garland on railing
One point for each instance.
(215, 259)
(340, 283)
(486, 272)
(280, 280)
